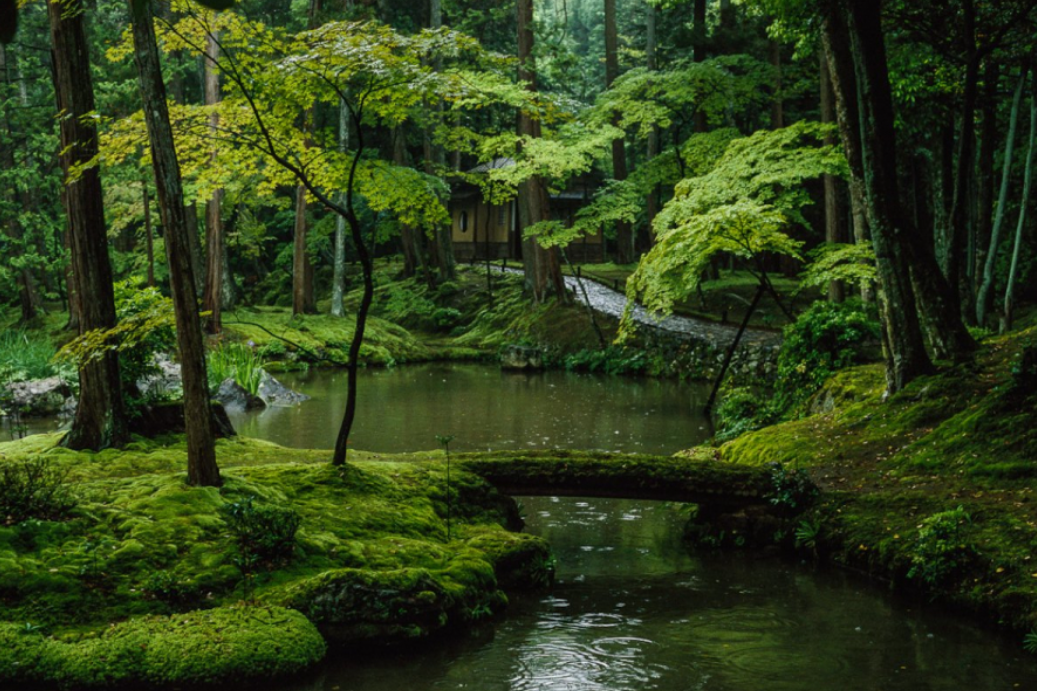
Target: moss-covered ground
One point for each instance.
(895, 472)
(374, 558)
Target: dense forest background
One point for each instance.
(881, 153)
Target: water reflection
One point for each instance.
(404, 408)
(633, 612)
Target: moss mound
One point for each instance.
(932, 487)
(142, 548)
(190, 648)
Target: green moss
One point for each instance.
(196, 647)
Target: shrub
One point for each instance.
(792, 490)
(263, 534)
(940, 548)
(827, 337)
(34, 489)
(742, 410)
(446, 318)
(611, 360)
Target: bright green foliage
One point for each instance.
(851, 264)
(741, 207)
(826, 338)
(742, 410)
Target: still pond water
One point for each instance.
(632, 609)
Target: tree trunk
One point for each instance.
(836, 43)
(1006, 323)
(985, 179)
(984, 296)
(834, 214)
(625, 253)
(543, 273)
(908, 358)
(338, 281)
(651, 47)
(212, 300)
(149, 242)
(201, 451)
(100, 416)
(960, 229)
(778, 102)
(302, 271)
(435, 156)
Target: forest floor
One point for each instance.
(932, 488)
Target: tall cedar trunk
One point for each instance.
(212, 298)
(100, 416)
(699, 39)
(201, 449)
(651, 47)
(625, 253)
(1006, 323)
(435, 156)
(960, 228)
(28, 296)
(907, 358)
(338, 280)
(985, 178)
(543, 272)
(834, 215)
(984, 297)
(303, 299)
(836, 44)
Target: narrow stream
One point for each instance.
(634, 611)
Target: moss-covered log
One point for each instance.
(597, 474)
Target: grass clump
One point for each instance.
(25, 355)
(235, 361)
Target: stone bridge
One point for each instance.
(720, 487)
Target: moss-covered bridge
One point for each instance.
(701, 480)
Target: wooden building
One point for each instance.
(491, 231)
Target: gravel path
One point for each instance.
(612, 303)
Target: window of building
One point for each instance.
(462, 221)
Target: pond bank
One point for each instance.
(932, 489)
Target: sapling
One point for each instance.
(444, 440)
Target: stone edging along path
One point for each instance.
(698, 343)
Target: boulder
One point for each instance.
(233, 395)
(165, 382)
(38, 397)
(276, 394)
(168, 418)
(519, 357)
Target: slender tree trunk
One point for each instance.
(212, 300)
(436, 156)
(543, 273)
(960, 227)
(1006, 323)
(834, 214)
(651, 47)
(149, 242)
(625, 252)
(908, 358)
(984, 296)
(303, 300)
(778, 102)
(985, 178)
(201, 448)
(100, 416)
(338, 281)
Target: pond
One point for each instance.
(404, 408)
(632, 610)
